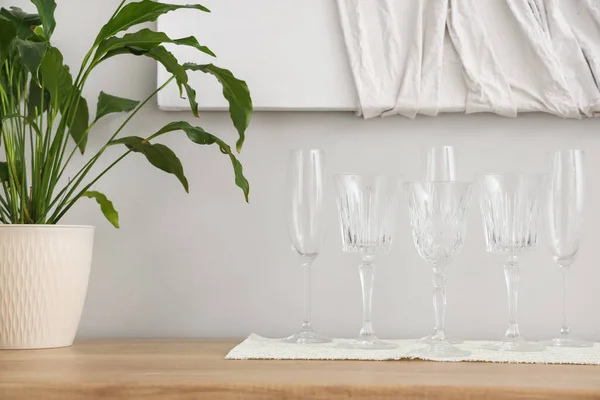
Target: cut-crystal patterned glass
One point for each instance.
(367, 206)
(441, 167)
(510, 209)
(437, 215)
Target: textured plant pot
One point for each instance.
(44, 271)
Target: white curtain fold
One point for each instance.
(412, 57)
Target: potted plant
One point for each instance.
(45, 122)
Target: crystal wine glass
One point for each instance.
(510, 207)
(437, 217)
(306, 225)
(441, 167)
(367, 206)
(564, 211)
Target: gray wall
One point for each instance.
(207, 264)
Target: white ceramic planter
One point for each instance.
(44, 271)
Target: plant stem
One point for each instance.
(21, 132)
(118, 9)
(81, 174)
(61, 137)
(4, 207)
(54, 219)
(2, 218)
(85, 134)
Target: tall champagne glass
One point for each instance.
(441, 164)
(306, 225)
(564, 212)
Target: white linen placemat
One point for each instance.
(258, 348)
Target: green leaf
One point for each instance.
(199, 136)
(191, 41)
(23, 22)
(34, 100)
(57, 80)
(8, 33)
(191, 96)
(56, 77)
(168, 60)
(79, 126)
(139, 12)
(237, 94)
(3, 171)
(157, 154)
(146, 39)
(32, 54)
(158, 53)
(106, 206)
(136, 51)
(108, 104)
(46, 12)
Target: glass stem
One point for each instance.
(367, 275)
(511, 273)
(306, 321)
(439, 303)
(564, 329)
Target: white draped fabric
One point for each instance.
(412, 57)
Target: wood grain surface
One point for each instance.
(195, 369)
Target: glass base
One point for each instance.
(367, 343)
(306, 337)
(514, 345)
(440, 350)
(429, 340)
(567, 342)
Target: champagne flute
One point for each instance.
(441, 164)
(306, 225)
(564, 212)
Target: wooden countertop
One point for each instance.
(195, 369)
